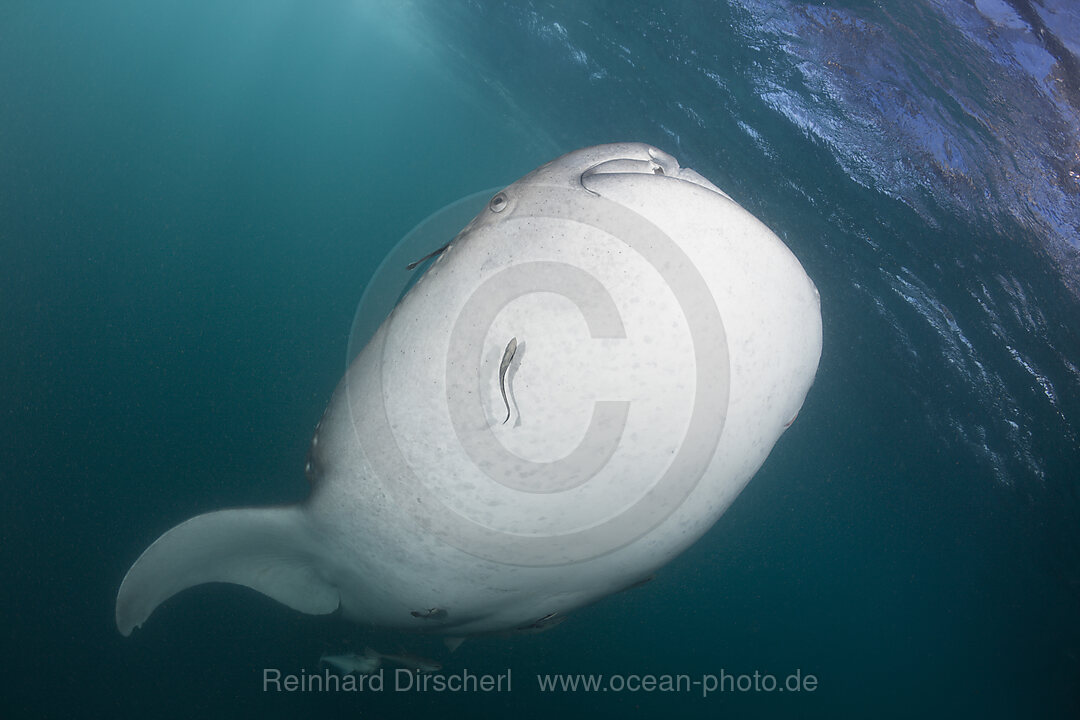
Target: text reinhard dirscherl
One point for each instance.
(401, 680)
(406, 680)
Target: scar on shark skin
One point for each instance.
(508, 355)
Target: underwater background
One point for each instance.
(194, 195)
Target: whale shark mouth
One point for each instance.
(656, 162)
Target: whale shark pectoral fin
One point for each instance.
(267, 549)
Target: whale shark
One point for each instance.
(662, 340)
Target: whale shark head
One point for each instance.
(572, 394)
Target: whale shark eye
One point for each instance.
(498, 203)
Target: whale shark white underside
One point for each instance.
(640, 297)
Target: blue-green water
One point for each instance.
(194, 195)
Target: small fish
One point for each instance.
(548, 621)
(412, 662)
(433, 253)
(429, 614)
(352, 663)
(508, 355)
(638, 583)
